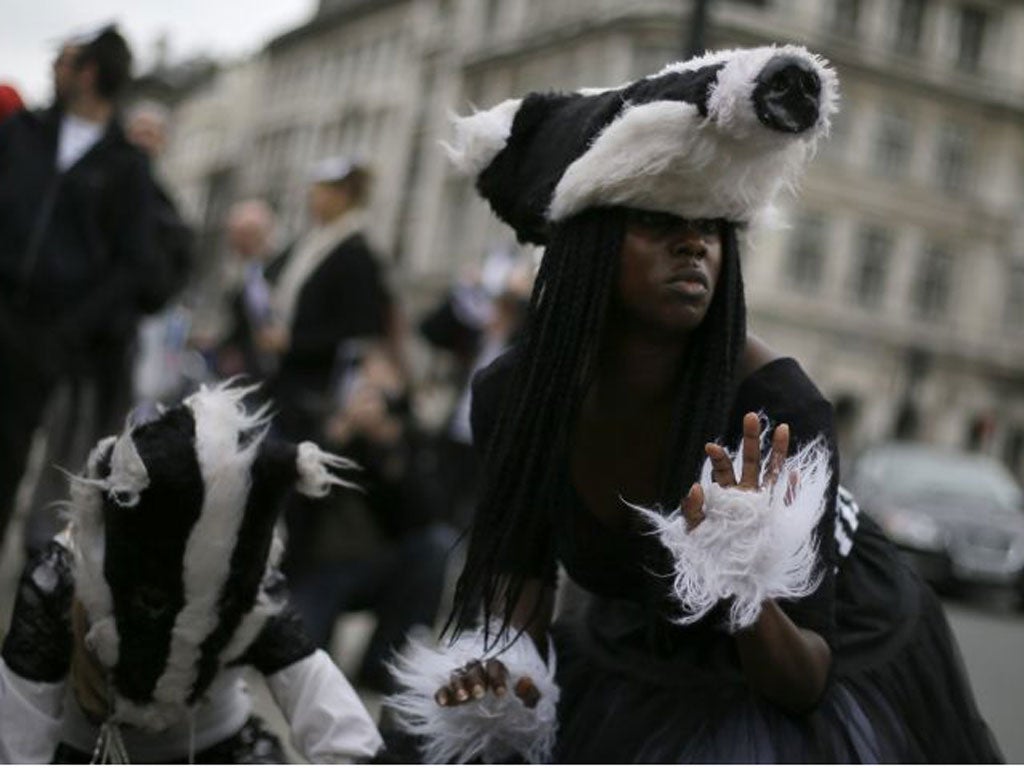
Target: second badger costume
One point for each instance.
(131, 629)
(650, 670)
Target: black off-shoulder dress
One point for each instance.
(637, 688)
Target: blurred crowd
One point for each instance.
(106, 311)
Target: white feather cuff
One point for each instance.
(751, 546)
(314, 467)
(493, 729)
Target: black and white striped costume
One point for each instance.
(172, 554)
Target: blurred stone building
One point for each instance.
(899, 281)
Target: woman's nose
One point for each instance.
(690, 242)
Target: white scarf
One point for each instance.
(308, 254)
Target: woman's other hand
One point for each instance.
(472, 681)
(723, 474)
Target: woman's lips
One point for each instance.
(692, 283)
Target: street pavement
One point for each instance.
(990, 631)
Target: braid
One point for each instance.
(523, 468)
(559, 352)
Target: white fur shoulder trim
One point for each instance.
(751, 546)
(495, 728)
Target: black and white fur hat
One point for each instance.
(713, 137)
(174, 539)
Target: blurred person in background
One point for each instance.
(10, 101)
(75, 229)
(478, 320)
(69, 422)
(173, 239)
(162, 336)
(385, 551)
(328, 289)
(250, 228)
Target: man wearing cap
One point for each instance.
(327, 290)
(75, 221)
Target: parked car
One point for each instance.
(958, 516)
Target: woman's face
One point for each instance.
(669, 270)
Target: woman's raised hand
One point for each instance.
(722, 467)
(472, 681)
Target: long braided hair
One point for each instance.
(523, 468)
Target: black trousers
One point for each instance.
(32, 366)
(26, 381)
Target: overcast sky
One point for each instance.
(31, 30)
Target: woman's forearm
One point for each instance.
(784, 663)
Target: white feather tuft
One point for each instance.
(128, 476)
(494, 729)
(481, 136)
(314, 466)
(752, 545)
(88, 547)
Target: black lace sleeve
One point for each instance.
(783, 392)
(283, 639)
(38, 644)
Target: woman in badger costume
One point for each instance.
(740, 610)
(162, 587)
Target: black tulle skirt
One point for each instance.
(898, 691)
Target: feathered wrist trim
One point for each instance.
(493, 729)
(751, 545)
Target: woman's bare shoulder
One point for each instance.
(756, 354)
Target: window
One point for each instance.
(908, 26)
(807, 251)
(871, 267)
(934, 282)
(1013, 312)
(846, 17)
(953, 159)
(893, 144)
(973, 25)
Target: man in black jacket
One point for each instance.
(75, 226)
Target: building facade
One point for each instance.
(898, 278)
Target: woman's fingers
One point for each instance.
(475, 679)
(693, 507)
(780, 449)
(527, 692)
(471, 682)
(497, 677)
(460, 691)
(751, 451)
(721, 465)
(443, 696)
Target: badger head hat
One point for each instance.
(174, 541)
(717, 136)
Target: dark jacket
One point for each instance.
(74, 246)
(173, 254)
(344, 298)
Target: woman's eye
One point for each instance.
(655, 221)
(705, 226)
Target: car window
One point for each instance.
(907, 473)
